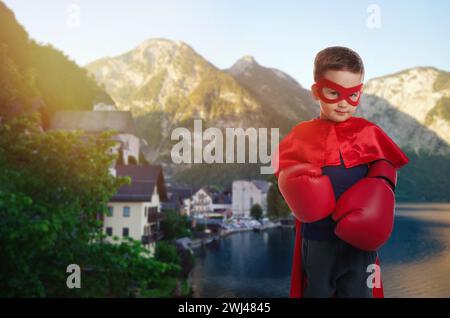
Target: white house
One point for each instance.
(201, 203)
(246, 194)
(135, 210)
(208, 201)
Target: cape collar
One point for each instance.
(322, 142)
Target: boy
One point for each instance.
(338, 175)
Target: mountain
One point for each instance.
(413, 106)
(281, 95)
(169, 76)
(40, 77)
(167, 84)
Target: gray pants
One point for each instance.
(335, 268)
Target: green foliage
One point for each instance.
(185, 288)
(149, 127)
(256, 211)
(54, 186)
(175, 226)
(200, 227)
(441, 109)
(151, 89)
(57, 81)
(123, 270)
(424, 178)
(442, 81)
(276, 205)
(167, 252)
(222, 175)
(17, 87)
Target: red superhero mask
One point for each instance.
(331, 92)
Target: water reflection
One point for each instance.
(415, 262)
(417, 258)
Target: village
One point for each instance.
(137, 209)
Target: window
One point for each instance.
(126, 211)
(109, 231)
(110, 211)
(125, 232)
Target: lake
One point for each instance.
(414, 263)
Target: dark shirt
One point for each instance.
(341, 179)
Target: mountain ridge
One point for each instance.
(180, 85)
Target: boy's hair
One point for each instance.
(337, 58)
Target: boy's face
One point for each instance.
(342, 110)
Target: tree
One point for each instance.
(276, 205)
(200, 227)
(256, 211)
(54, 187)
(175, 226)
(166, 252)
(58, 81)
(17, 87)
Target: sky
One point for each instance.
(389, 35)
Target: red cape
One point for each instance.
(319, 141)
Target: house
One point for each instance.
(246, 194)
(207, 201)
(98, 121)
(135, 210)
(201, 203)
(222, 202)
(179, 199)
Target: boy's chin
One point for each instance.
(336, 117)
(339, 118)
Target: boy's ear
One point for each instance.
(314, 92)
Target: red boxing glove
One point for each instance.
(308, 193)
(365, 212)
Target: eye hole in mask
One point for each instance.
(331, 92)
